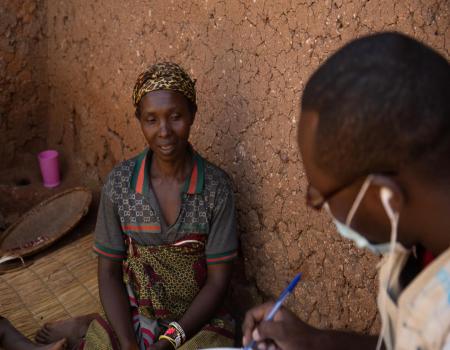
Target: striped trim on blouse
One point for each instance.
(221, 258)
(109, 253)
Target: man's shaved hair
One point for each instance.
(383, 105)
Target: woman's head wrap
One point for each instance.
(164, 76)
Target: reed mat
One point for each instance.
(59, 285)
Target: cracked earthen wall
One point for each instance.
(23, 87)
(251, 59)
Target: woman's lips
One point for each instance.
(167, 149)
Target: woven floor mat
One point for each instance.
(57, 286)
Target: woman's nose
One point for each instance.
(164, 129)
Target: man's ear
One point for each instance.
(389, 190)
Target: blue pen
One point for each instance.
(278, 304)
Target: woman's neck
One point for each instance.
(177, 169)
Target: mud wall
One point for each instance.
(251, 60)
(23, 97)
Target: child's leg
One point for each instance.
(12, 339)
(72, 329)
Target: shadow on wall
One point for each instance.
(23, 80)
(243, 291)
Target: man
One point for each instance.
(374, 136)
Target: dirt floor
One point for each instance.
(68, 69)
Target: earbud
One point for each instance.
(386, 195)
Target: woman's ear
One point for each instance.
(137, 111)
(193, 117)
(389, 191)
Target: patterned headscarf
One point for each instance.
(164, 76)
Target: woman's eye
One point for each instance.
(150, 120)
(175, 116)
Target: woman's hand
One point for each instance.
(130, 346)
(161, 345)
(285, 332)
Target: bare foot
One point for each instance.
(72, 329)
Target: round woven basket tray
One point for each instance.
(45, 223)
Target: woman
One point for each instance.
(165, 235)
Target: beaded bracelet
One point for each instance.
(172, 334)
(180, 330)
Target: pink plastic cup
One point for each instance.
(48, 162)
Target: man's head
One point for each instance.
(380, 105)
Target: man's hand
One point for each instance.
(286, 331)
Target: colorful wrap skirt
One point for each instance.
(162, 282)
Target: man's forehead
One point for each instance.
(307, 127)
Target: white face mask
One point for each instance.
(393, 247)
(347, 232)
(360, 241)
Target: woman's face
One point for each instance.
(166, 123)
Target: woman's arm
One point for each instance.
(208, 300)
(114, 298)
(206, 303)
(222, 241)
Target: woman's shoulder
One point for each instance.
(122, 172)
(216, 177)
